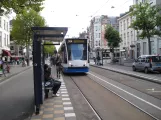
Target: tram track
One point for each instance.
(132, 82)
(91, 104)
(88, 101)
(129, 101)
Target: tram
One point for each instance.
(74, 54)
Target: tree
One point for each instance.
(113, 38)
(49, 49)
(21, 27)
(19, 5)
(147, 20)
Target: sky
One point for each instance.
(76, 14)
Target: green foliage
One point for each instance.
(19, 5)
(147, 20)
(21, 28)
(49, 48)
(112, 37)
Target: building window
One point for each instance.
(124, 25)
(131, 35)
(4, 39)
(127, 23)
(0, 39)
(128, 36)
(99, 35)
(7, 27)
(4, 25)
(0, 22)
(7, 40)
(124, 36)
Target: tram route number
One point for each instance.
(76, 41)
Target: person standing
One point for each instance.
(98, 60)
(58, 65)
(54, 60)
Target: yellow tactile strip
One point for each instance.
(57, 108)
(52, 109)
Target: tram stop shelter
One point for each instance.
(40, 35)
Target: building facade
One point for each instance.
(4, 34)
(97, 31)
(128, 35)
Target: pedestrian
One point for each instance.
(51, 61)
(94, 60)
(98, 60)
(58, 65)
(3, 68)
(54, 60)
(55, 84)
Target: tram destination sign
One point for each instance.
(69, 41)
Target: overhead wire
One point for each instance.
(100, 8)
(121, 5)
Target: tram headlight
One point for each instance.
(70, 63)
(85, 63)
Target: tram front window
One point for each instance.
(77, 51)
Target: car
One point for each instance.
(147, 63)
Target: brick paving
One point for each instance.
(56, 108)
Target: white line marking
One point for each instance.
(127, 92)
(69, 114)
(65, 98)
(64, 92)
(63, 89)
(68, 108)
(67, 103)
(65, 95)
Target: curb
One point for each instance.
(3, 79)
(130, 74)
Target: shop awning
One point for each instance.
(6, 53)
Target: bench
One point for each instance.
(47, 89)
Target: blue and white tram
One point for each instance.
(74, 54)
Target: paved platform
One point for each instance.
(57, 108)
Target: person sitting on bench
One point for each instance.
(50, 82)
